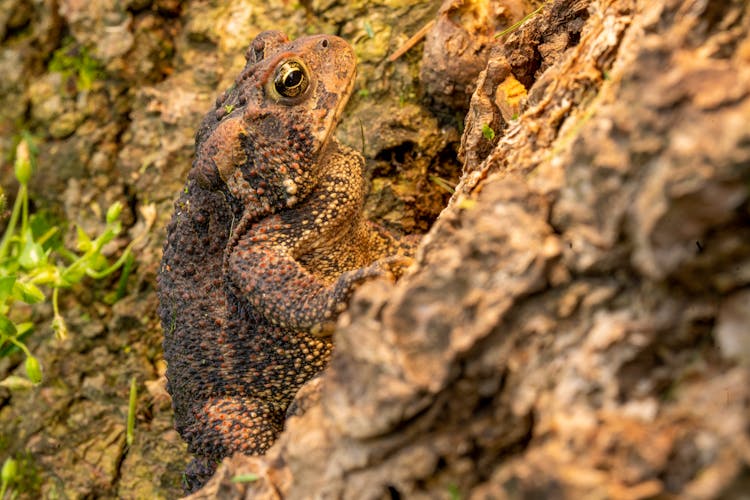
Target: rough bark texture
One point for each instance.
(576, 325)
(113, 92)
(577, 322)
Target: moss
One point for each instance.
(75, 61)
(28, 481)
(487, 132)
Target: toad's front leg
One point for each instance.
(263, 271)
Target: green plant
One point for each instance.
(8, 475)
(72, 60)
(453, 492)
(132, 402)
(20, 477)
(443, 183)
(368, 29)
(487, 132)
(245, 478)
(34, 264)
(517, 25)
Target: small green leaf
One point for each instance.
(40, 222)
(113, 212)
(46, 275)
(245, 478)
(9, 472)
(33, 369)
(27, 292)
(6, 287)
(73, 273)
(97, 262)
(122, 283)
(130, 434)
(487, 132)
(23, 328)
(45, 230)
(7, 327)
(83, 243)
(32, 255)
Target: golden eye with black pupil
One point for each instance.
(291, 79)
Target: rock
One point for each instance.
(457, 47)
(733, 327)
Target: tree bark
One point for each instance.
(577, 324)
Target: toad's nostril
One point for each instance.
(324, 44)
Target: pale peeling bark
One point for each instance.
(577, 322)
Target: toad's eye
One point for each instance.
(291, 79)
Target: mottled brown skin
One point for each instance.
(266, 244)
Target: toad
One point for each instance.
(266, 245)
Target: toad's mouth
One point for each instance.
(334, 116)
